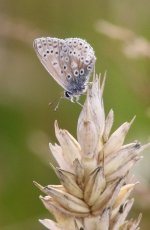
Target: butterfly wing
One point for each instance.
(48, 52)
(82, 61)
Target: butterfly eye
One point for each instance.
(67, 94)
(76, 73)
(81, 71)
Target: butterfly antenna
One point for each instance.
(55, 103)
(79, 103)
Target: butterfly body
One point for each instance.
(69, 61)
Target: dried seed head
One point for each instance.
(87, 131)
(93, 171)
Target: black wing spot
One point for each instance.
(76, 73)
(69, 76)
(87, 61)
(66, 59)
(65, 67)
(81, 71)
(89, 67)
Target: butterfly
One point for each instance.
(69, 61)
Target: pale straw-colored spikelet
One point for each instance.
(94, 172)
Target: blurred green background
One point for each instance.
(26, 120)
